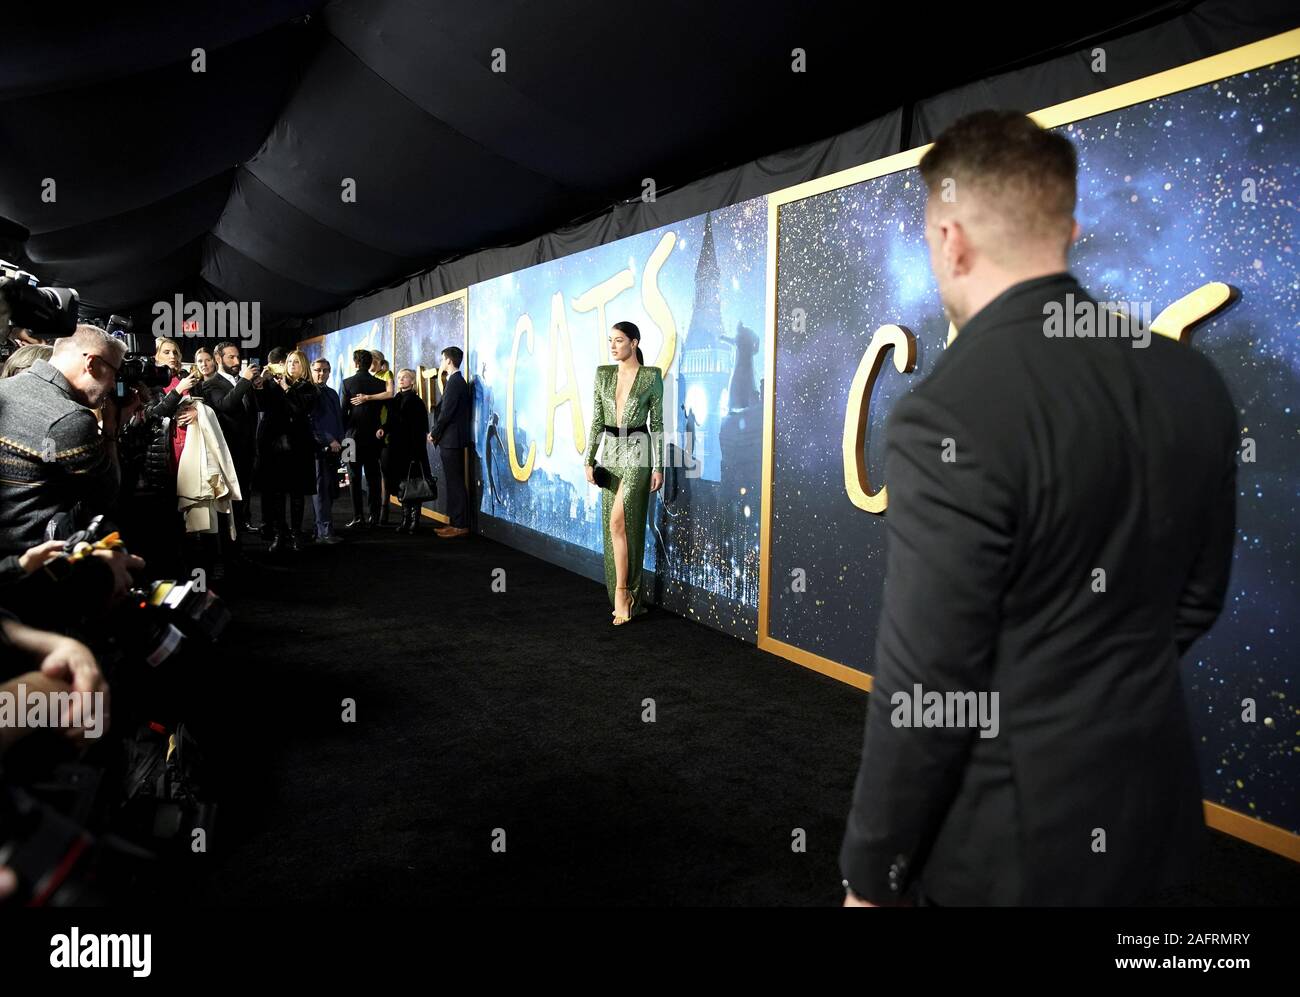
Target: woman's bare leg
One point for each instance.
(618, 541)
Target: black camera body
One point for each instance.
(163, 618)
(141, 369)
(45, 312)
(138, 367)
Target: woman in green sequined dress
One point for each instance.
(628, 415)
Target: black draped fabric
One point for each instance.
(314, 152)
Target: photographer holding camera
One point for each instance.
(148, 513)
(57, 459)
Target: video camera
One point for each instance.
(45, 312)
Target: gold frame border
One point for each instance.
(1256, 55)
(392, 326)
(391, 318)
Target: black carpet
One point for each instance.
(522, 711)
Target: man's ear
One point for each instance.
(955, 247)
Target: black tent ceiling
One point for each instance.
(229, 183)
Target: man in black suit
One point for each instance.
(362, 422)
(451, 435)
(1060, 530)
(229, 393)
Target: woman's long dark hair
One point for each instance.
(630, 330)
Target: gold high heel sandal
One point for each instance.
(619, 618)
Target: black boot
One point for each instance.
(414, 518)
(277, 542)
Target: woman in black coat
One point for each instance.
(286, 447)
(405, 455)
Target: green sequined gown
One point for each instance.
(629, 459)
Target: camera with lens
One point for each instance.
(45, 312)
(138, 366)
(159, 619)
(141, 369)
(164, 616)
(153, 624)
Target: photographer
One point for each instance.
(149, 517)
(57, 460)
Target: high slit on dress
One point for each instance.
(629, 458)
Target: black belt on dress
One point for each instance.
(629, 430)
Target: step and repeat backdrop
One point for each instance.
(413, 338)
(696, 291)
(788, 326)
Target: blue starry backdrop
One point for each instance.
(1198, 186)
(337, 347)
(695, 289)
(419, 338)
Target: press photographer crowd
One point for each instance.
(125, 498)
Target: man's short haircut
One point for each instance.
(320, 360)
(361, 359)
(222, 346)
(278, 354)
(455, 354)
(90, 339)
(1024, 175)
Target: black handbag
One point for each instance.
(418, 488)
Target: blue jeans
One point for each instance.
(327, 476)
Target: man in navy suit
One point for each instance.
(451, 435)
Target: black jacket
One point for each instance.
(451, 429)
(235, 407)
(1068, 457)
(405, 442)
(286, 445)
(362, 421)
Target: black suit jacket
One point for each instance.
(235, 408)
(1072, 456)
(362, 421)
(451, 428)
